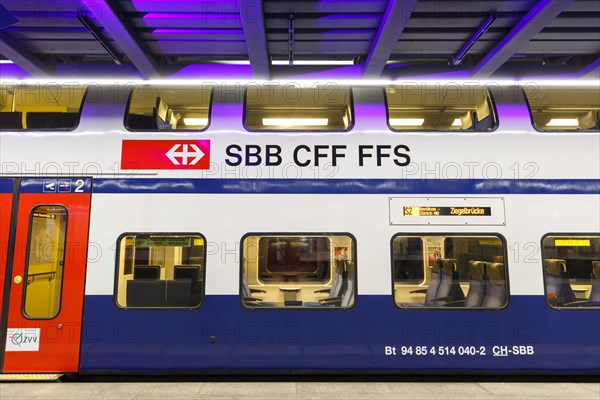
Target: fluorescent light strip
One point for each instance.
(572, 122)
(313, 62)
(195, 121)
(457, 122)
(6, 62)
(407, 121)
(304, 82)
(295, 121)
(232, 62)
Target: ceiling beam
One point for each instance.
(540, 15)
(392, 24)
(591, 71)
(27, 61)
(114, 22)
(253, 22)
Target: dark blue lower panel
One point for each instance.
(223, 336)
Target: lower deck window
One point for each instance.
(292, 271)
(572, 270)
(160, 270)
(454, 271)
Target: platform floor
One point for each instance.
(300, 390)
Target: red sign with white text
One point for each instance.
(165, 154)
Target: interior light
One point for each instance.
(313, 62)
(195, 121)
(295, 121)
(233, 62)
(563, 122)
(407, 121)
(457, 122)
(6, 62)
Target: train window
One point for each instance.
(40, 106)
(411, 107)
(160, 270)
(298, 271)
(45, 261)
(572, 270)
(408, 260)
(163, 108)
(560, 109)
(291, 108)
(457, 271)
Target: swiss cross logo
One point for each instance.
(165, 154)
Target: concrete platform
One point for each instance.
(300, 390)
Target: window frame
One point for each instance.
(115, 295)
(551, 131)
(459, 234)
(300, 131)
(422, 281)
(179, 131)
(576, 309)
(288, 234)
(27, 255)
(83, 102)
(493, 109)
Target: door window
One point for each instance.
(45, 261)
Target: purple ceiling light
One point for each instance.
(541, 14)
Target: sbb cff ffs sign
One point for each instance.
(165, 154)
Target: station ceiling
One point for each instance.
(378, 38)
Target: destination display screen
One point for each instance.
(428, 211)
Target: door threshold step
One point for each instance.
(29, 377)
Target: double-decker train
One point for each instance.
(191, 227)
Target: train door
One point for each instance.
(45, 274)
(6, 197)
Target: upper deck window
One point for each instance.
(560, 109)
(40, 106)
(291, 108)
(414, 107)
(160, 108)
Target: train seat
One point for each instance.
(185, 288)
(146, 289)
(478, 282)
(343, 301)
(334, 292)
(432, 288)
(11, 120)
(449, 289)
(594, 299)
(43, 120)
(495, 295)
(558, 289)
(248, 296)
(141, 122)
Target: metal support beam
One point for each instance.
(591, 71)
(29, 62)
(540, 15)
(253, 22)
(114, 22)
(392, 24)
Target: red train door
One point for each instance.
(42, 318)
(6, 197)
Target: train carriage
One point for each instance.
(193, 227)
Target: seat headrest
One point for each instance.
(449, 266)
(436, 265)
(477, 270)
(496, 272)
(596, 269)
(555, 266)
